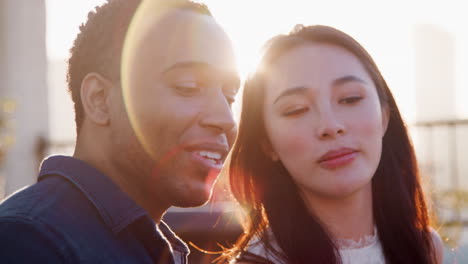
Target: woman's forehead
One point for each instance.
(313, 64)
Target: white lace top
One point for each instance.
(367, 250)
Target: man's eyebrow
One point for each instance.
(347, 78)
(233, 76)
(291, 91)
(187, 64)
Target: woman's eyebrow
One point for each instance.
(291, 91)
(348, 78)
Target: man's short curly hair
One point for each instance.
(98, 46)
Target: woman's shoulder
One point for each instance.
(258, 251)
(438, 245)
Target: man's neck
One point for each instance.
(128, 184)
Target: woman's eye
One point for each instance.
(296, 111)
(350, 100)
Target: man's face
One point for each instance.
(179, 80)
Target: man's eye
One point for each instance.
(187, 87)
(295, 111)
(350, 100)
(230, 93)
(230, 99)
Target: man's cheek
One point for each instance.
(231, 135)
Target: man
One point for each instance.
(151, 134)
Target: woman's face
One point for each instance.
(324, 120)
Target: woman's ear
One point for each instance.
(268, 150)
(385, 118)
(95, 97)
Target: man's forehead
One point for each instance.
(179, 36)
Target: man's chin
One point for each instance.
(195, 202)
(192, 204)
(194, 198)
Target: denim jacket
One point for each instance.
(75, 214)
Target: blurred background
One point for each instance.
(420, 46)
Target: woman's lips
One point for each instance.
(337, 158)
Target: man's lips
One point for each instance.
(211, 163)
(211, 155)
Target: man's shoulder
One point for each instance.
(27, 241)
(28, 223)
(40, 200)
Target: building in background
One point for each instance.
(23, 80)
(62, 129)
(441, 128)
(434, 52)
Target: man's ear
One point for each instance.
(268, 150)
(95, 97)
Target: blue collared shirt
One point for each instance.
(75, 214)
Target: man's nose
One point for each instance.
(218, 115)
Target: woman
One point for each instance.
(323, 166)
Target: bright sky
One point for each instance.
(384, 28)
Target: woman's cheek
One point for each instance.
(290, 143)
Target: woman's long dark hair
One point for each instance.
(269, 197)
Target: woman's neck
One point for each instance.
(345, 218)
